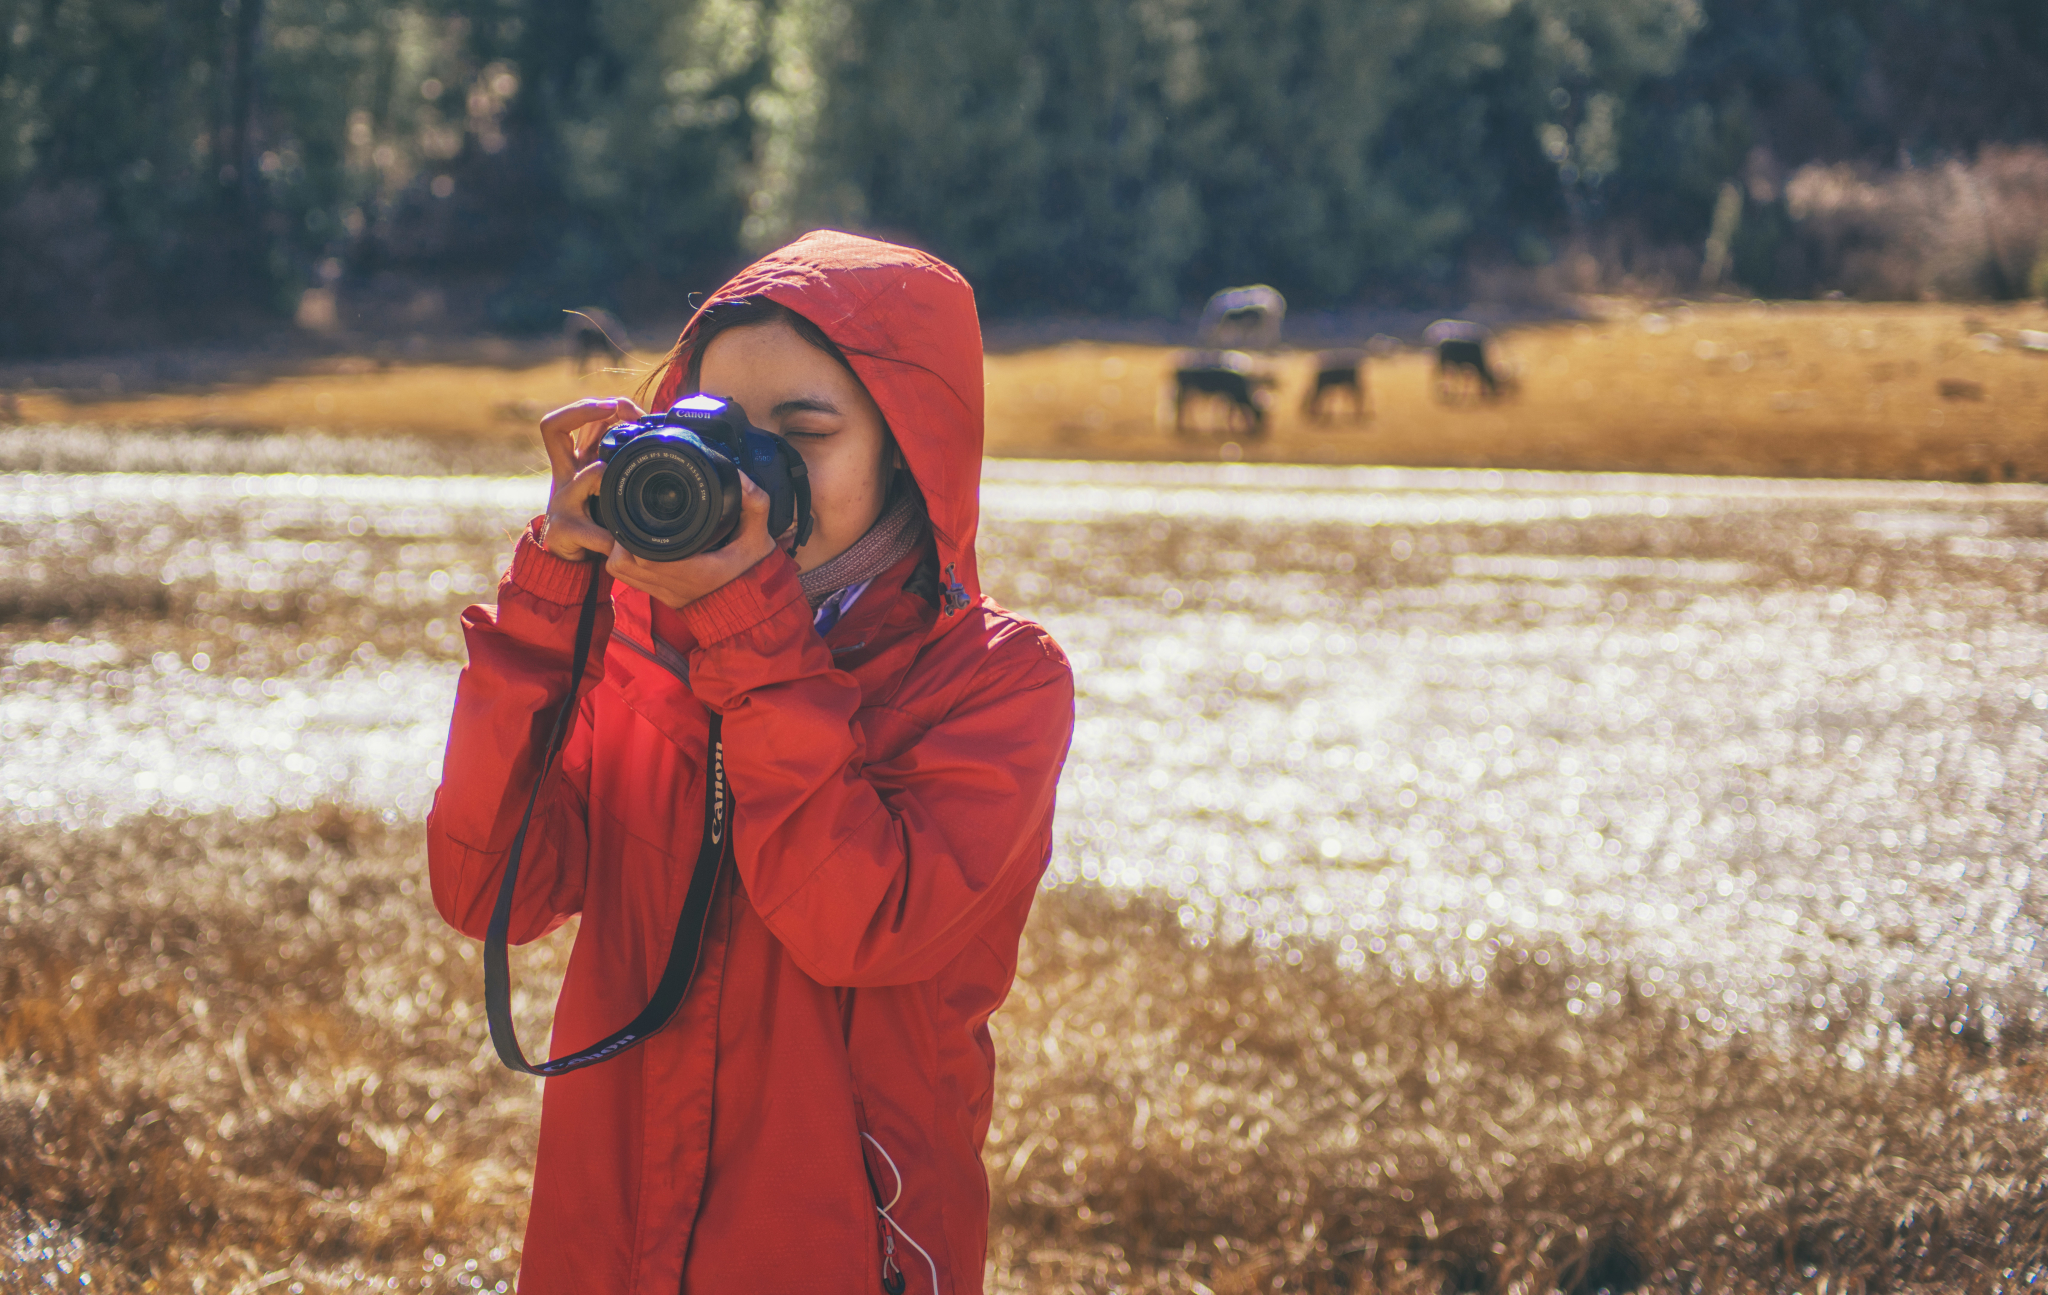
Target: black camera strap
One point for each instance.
(681, 970)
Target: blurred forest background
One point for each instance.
(177, 169)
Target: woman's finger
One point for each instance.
(568, 418)
(754, 509)
(624, 410)
(580, 487)
(587, 437)
(576, 538)
(561, 431)
(754, 504)
(571, 533)
(629, 570)
(571, 490)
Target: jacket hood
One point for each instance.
(906, 322)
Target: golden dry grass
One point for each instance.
(1182, 1119)
(243, 1056)
(360, 396)
(1798, 389)
(234, 1051)
(1825, 390)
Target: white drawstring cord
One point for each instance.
(883, 1210)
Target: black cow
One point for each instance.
(1338, 372)
(1222, 375)
(1461, 352)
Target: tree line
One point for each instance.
(186, 165)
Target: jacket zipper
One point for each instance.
(894, 1279)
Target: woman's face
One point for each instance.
(791, 388)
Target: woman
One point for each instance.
(812, 1118)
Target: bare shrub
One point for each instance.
(1619, 257)
(1962, 229)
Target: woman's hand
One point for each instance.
(677, 584)
(570, 436)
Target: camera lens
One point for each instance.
(667, 495)
(662, 493)
(662, 497)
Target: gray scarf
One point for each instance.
(894, 536)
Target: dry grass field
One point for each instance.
(1782, 389)
(1824, 390)
(245, 1056)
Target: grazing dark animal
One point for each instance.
(595, 333)
(1220, 373)
(1338, 373)
(1457, 354)
(1461, 353)
(1227, 376)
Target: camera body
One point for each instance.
(671, 486)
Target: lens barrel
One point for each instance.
(672, 482)
(665, 495)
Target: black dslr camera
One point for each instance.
(671, 486)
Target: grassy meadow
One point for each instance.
(243, 1055)
(1931, 391)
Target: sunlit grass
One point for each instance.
(239, 1052)
(1792, 389)
(1816, 388)
(1182, 1118)
(240, 1056)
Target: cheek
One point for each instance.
(843, 484)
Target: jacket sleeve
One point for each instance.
(505, 706)
(875, 874)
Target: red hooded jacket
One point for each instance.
(893, 786)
